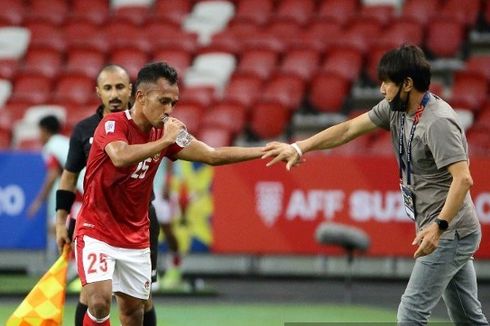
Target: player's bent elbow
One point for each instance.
(119, 162)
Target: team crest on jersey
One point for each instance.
(110, 126)
(156, 157)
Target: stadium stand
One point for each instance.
(311, 59)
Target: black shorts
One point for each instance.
(154, 233)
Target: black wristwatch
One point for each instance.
(443, 224)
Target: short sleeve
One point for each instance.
(446, 142)
(172, 150)
(111, 129)
(380, 115)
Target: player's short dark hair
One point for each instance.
(51, 124)
(152, 72)
(406, 61)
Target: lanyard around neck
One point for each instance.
(401, 137)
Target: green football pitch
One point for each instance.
(224, 312)
(267, 314)
(244, 314)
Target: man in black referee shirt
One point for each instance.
(114, 90)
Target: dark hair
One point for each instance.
(152, 72)
(51, 124)
(112, 67)
(406, 61)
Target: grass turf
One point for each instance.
(243, 314)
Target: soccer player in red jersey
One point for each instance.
(111, 236)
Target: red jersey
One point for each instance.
(115, 201)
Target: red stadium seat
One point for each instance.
(85, 34)
(383, 14)
(478, 141)
(421, 10)
(95, 11)
(169, 37)
(328, 92)
(298, 11)
(444, 37)
(483, 119)
(340, 11)
(479, 64)
(202, 96)
(8, 68)
(52, 11)
(215, 137)
(76, 113)
(226, 115)
(134, 36)
(344, 61)
(171, 11)
(259, 62)
(359, 33)
(44, 61)
(190, 115)
(178, 58)
(264, 40)
(286, 31)
(269, 120)
(288, 90)
(136, 14)
(437, 89)
(469, 90)
(403, 30)
(302, 63)
(84, 61)
(318, 35)
(32, 89)
(256, 11)
(5, 138)
(74, 88)
(224, 41)
(12, 12)
(465, 12)
(29, 144)
(46, 35)
(132, 59)
(243, 89)
(15, 110)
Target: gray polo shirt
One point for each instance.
(438, 141)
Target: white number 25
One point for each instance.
(141, 169)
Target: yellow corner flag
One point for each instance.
(43, 306)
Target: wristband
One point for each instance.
(64, 199)
(297, 149)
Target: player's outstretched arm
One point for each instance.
(197, 151)
(331, 137)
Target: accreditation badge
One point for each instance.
(408, 198)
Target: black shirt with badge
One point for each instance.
(81, 141)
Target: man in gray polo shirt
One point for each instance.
(432, 153)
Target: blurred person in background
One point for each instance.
(112, 229)
(165, 208)
(114, 90)
(54, 151)
(432, 153)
